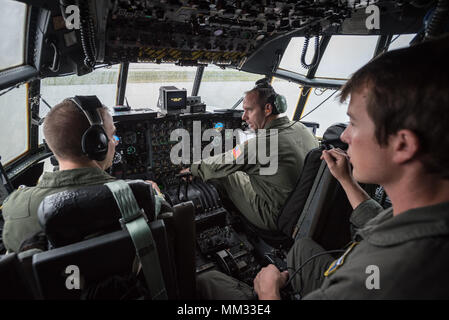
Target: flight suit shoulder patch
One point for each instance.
(236, 152)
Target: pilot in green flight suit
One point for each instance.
(394, 140)
(75, 170)
(20, 208)
(259, 188)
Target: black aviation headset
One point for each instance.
(95, 141)
(278, 101)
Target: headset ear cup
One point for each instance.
(280, 103)
(95, 143)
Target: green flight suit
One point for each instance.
(20, 208)
(398, 257)
(395, 257)
(255, 188)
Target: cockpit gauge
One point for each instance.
(131, 150)
(219, 126)
(130, 138)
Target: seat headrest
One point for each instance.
(332, 136)
(70, 216)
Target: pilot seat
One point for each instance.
(317, 207)
(93, 256)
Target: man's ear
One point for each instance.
(405, 145)
(268, 109)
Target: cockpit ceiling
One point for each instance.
(225, 32)
(242, 34)
(215, 31)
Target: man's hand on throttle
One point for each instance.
(269, 281)
(186, 170)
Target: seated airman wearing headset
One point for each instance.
(80, 132)
(397, 138)
(258, 192)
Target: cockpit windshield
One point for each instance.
(101, 82)
(222, 88)
(145, 79)
(13, 16)
(13, 123)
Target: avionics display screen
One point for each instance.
(176, 99)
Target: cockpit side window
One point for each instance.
(401, 41)
(323, 107)
(13, 17)
(291, 59)
(14, 136)
(290, 90)
(343, 55)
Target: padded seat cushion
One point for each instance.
(70, 216)
(297, 199)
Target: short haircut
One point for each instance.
(408, 89)
(264, 96)
(64, 127)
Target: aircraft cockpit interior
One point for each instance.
(173, 75)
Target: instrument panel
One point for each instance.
(145, 143)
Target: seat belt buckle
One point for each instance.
(124, 221)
